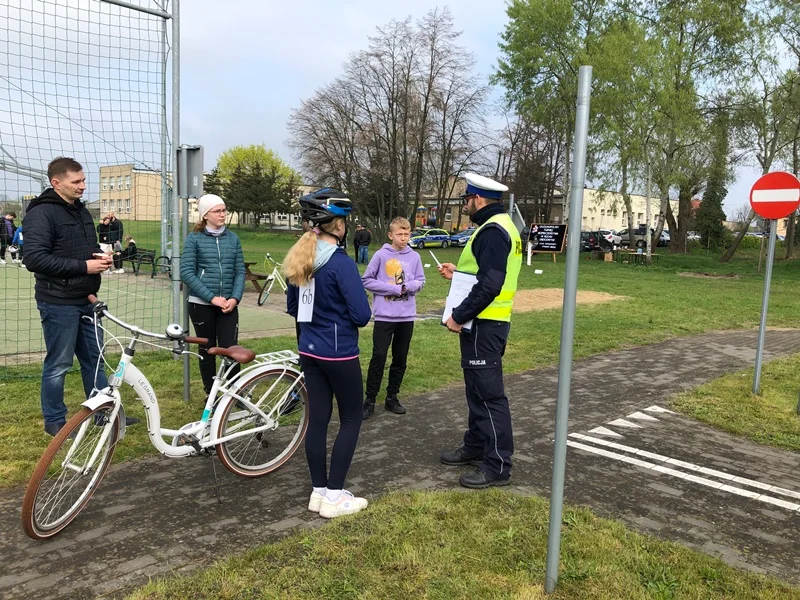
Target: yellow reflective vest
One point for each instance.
(500, 308)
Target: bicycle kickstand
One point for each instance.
(216, 480)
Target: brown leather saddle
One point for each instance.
(237, 353)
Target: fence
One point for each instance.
(87, 79)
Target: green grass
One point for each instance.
(768, 418)
(448, 545)
(660, 304)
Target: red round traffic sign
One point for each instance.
(775, 195)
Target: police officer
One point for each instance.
(494, 255)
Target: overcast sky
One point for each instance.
(247, 63)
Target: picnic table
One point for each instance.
(634, 258)
(254, 277)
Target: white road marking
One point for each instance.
(641, 416)
(604, 431)
(624, 423)
(658, 409)
(672, 462)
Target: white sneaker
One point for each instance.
(347, 504)
(107, 272)
(315, 501)
(119, 271)
(2, 262)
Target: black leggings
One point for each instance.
(221, 329)
(324, 379)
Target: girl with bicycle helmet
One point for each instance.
(328, 300)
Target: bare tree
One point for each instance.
(404, 118)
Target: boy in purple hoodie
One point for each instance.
(394, 276)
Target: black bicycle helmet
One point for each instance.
(324, 205)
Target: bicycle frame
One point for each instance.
(204, 432)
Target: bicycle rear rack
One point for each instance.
(279, 357)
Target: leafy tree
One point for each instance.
(710, 216)
(212, 183)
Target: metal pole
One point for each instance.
(511, 206)
(175, 204)
(568, 326)
(164, 146)
(647, 211)
(762, 328)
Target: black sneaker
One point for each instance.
(131, 421)
(369, 409)
(478, 480)
(460, 457)
(53, 428)
(392, 404)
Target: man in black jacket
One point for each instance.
(61, 250)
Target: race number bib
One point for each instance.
(305, 302)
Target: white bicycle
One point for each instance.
(254, 421)
(274, 276)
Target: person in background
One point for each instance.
(212, 266)
(7, 230)
(104, 234)
(128, 252)
(16, 246)
(328, 301)
(62, 252)
(364, 238)
(356, 237)
(493, 255)
(115, 231)
(394, 276)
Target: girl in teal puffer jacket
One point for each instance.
(212, 266)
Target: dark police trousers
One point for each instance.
(489, 434)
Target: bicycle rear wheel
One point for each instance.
(60, 488)
(282, 396)
(262, 297)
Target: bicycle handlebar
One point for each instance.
(133, 328)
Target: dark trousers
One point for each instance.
(325, 379)
(386, 333)
(489, 431)
(221, 329)
(355, 252)
(4, 240)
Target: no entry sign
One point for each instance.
(775, 195)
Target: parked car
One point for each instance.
(639, 236)
(429, 237)
(592, 240)
(610, 236)
(462, 237)
(692, 236)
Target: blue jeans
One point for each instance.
(66, 335)
(363, 254)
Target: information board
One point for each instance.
(547, 237)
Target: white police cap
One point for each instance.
(484, 187)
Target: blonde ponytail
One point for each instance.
(298, 266)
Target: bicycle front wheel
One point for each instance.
(262, 297)
(64, 480)
(282, 396)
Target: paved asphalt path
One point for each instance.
(159, 516)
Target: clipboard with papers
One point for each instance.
(460, 287)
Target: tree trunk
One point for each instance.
(738, 239)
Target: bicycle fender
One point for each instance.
(243, 377)
(102, 398)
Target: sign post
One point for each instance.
(774, 196)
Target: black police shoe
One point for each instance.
(392, 404)
(479, 480)
(369, 409)
(53, 428)
(460, 457)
